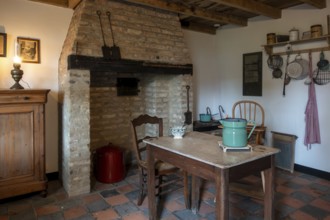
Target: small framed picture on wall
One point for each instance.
(28, 49)
(3, 45)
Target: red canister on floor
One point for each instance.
(109, 164)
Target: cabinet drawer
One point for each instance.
(23, 97)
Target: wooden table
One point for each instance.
(200, 155)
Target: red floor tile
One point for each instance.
(47, 209)
(299, 215)
(91, 198)
(74, 212)
(322, 204)
(173, 205)
(285, 190)
(117, 200)
(292, 202)
(108, 214)
(135, 216)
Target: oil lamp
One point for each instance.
(17, 73)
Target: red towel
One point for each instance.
(312, 128)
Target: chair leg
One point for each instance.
(159, 191)
(141, 186)
(263, 180)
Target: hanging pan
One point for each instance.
(298, 69)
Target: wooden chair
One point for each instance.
(143, 127)
(251, 110)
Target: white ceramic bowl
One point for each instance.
(178, 132)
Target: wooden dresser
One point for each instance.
(22, 142)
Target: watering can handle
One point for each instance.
(254, 126)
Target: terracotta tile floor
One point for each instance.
(298, 196)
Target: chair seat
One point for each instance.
(163, 167)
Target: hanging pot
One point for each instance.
(275, 62)
(277, 73)
(234, 132)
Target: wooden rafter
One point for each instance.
(73, 3)
(195, 12)
(61, 3)
(252, 6)
(200, 28)
(316, 3)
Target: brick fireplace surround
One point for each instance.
(91, 112)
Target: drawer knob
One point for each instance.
(26, 98)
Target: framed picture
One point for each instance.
(28, 49)
(3, 45)
(252, 74)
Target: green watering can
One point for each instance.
(234, 132)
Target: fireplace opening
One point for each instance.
(127, 87)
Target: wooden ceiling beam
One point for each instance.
(195, 12)
(73, 3)
(200, 28)
(61, 3)
(316, 3)
(253, 7)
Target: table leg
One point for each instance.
(269, 191)
(151, 184)
(222, 193)
(186, 190)
(195, 193)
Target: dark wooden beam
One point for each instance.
(73, 3)
(125, 66)
(199, 28)
(253, 7)
(195, 12)
(60, 3)
(316, 3)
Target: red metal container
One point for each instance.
(109, 164)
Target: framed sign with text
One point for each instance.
(252, 74)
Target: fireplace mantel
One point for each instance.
(125, 65)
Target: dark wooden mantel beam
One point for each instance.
(126, 66)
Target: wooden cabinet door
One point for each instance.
(18, 151)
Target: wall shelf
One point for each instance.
(269, 47)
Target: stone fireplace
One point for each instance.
(93, 113)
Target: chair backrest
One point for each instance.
(145, 126)
(249, 110)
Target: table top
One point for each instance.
(205, 148)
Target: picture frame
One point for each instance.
(252, 74)
(3, 44)
(28, 49)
